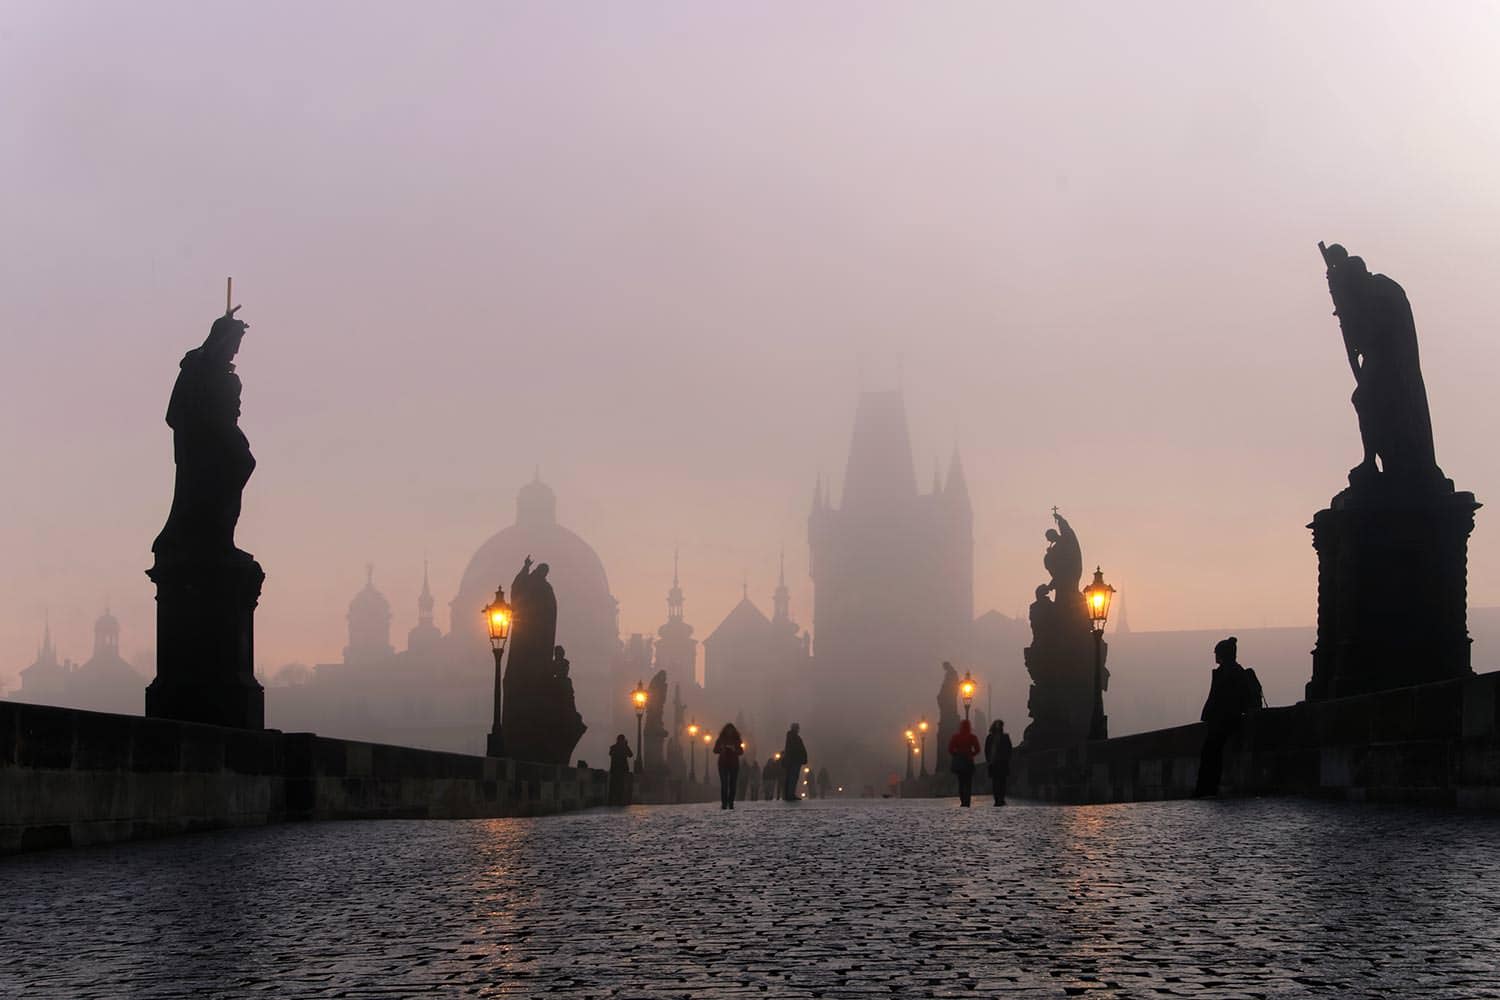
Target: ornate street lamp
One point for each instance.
(708, 742)
(638, 698)
(911, 742)
(967, 690)
(1097, 596)
(693, 754)
(922, 745)
(497, 617)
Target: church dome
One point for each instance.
(369, 623)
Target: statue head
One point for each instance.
(1041, 591)
(1226, 650)
(558, 653)
(541, 571)
(1053, 536)
(223, 341)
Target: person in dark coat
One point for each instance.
(753, 779)
(771, 775)
(793, 759)
(728, 747)
(997, 759)
(1223, 713)
(619, 772)
(962, 749)
(824, 782)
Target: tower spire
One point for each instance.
(674, 596)
(781, 600)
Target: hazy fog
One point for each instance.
(651, 247)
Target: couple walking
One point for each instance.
(730, 747)
(964, 747)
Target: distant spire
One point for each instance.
(369, 574)
(817, 501)
(957, 486)
(781, 600)
(674, 596)
(1122, 623)
(425, 601)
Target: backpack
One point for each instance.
(1255, 695)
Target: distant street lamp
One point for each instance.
(708, 742)
(1097, 596)
(967, 690)
(639, 697)
(497, 617)
(922, 745)
(911, 743)
(693, 754)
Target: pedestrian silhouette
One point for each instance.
(771, 775)
(793, 759)
(752, 770)
(962, 749)
(619, 772)
(997, 759)
(1233, 691)
(728, 747)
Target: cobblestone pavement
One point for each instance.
(818, 899)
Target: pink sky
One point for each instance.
(651, 246)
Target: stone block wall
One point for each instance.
(73, 778)
(1434, 743)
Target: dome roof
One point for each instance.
(369, 603)
(586, 611)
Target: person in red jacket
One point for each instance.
(962, 749)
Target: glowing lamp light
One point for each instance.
(693, 730)
(639, 697)
(707, 738)
(923, 724)
(776, 755)
(910, 736)
(967, 689)
(1097, 596)
(497, 617)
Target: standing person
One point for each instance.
(619, 772)
(728, 747)
(962, 749)
(793, 759)
(753, 774)
(771, 775)
(824, 782)
(997, 759)
(1232, 692)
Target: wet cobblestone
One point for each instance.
(822, 899)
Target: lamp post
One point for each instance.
(1097, 596)
(639, 697)
(967, 690)
(911, 742)
(497, 616)
(921, 758)
(693, 754)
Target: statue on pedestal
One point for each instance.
(656, 732)
(1393, 546)
(207, 588)
(1060, 658)
(948, 718)
(541, 721)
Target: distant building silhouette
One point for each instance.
(893, 575)
(104, 683)
(369, 624)
(438, 691)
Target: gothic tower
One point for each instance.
(893, 576)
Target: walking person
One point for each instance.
(1233, 691)
(728, 747)
(619, 772)
(997, 759)
(771, 775)
(962, 749)
(753, 774)
(793, 759)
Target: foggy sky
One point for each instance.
(654, 248)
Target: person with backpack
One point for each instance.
(962, 749)
(1233, 691)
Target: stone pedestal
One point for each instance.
(1062, 697)
(205, 639)
(1392, 587)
